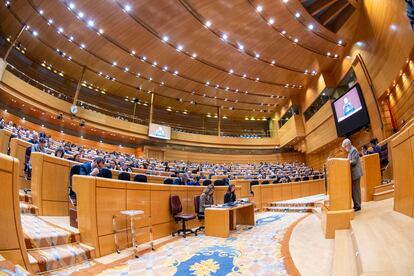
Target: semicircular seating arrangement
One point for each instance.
(207, 137)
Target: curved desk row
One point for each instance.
(264, 194)
(99, 199)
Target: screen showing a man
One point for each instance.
(348, 105)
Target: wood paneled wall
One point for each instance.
(100, 199)
(4, 140)
(264, 194)
(402, 147)
(12, 244)
(293, 129)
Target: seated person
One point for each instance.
(194, 182)
(375, 147)
(59, 152)
(76, 157)
(230, 196)
(34, 139)
(92, 168)
(206, 198)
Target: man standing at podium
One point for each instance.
(356, 172)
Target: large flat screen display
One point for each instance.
(159, 131)
(350, 111)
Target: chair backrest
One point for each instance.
(206, 182)
(219, 182)
(175, 205)
(168, 181)
(254, 182)
(75, 170)
(265, 182)
(315, 177)
(275, 181)
(305, 178)
(140, 178)
(124, 176)
(105, 173)
(197, 204)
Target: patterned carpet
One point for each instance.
(248, 251)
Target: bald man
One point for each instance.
(356, 172)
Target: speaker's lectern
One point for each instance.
(337, 211)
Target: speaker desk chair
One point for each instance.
(176, 211)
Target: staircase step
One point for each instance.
(58, 257)
(344, 260)
(25, 197)
(383, 188)
(383, 195)
(39, 233)
(290, 209)
(27, 208)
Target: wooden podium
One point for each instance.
(337, 212)
(371, 175)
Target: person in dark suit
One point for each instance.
(92, 168)
(356, 172)
(230, 196)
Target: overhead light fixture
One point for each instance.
(72, 6)
(231, 71)
(257, 55)
(35, 33)
(241, 47)
(271, 21)
(259, 8)
(224, 36)
(81, 14)
(297, 14)
(114, 63)
(180, 47)
(60, 30)
(41, 12)
(127, 8)
(91, 23)
(296, 40)
(194, 55)
(311, 26)
(165, 38)
(208, 23)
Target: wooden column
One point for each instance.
(151, 108)
(219, 121)
(75, 99)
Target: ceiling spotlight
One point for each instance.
(60, 30)
(194, 55)
(127, 8)
(180, 47)
(132, 52)
(285, 1)
(259, 8)
(71, 6)
(154, 63)
(165, 68)
(150, 79)
(81, 14)
(311, 26)
(126, 69)
(257, 55)
(283, 32)
(41, 12)
(297, 14)
(328, 54)
(165, 38)
(224, 36)
(82, 46)
(241, 47)
(71, 38)
(244, 75)
(231, 71)
(296, 40)
(314, 72)
(35, 33)
(257, 79)
(271, 21)
(208, 23)
(144, 58)
(50, 21)
(91, 23)
(336, 56)
(175, 72)
(101, 31)
(114, 63)
(273, 61)
(207, 83)
(340, 42)
(306, 71)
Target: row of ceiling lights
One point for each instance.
(224, 36)
(271, 22)
(179, 48)
(60, 30)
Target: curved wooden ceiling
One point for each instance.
(187, 52)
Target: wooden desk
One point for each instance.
(219, 221)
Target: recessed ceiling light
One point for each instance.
(244, 75)
(231, 71)
(72, 6)
(297, 14)
(194, 55)
(340, 42)
(273, 61)
(132, 52)
(82, 46)
(296, 40)
(127, 8)
(35, 33)
(180, 47)
(50, 21)
(101, 31)
(259, 8)
(271, 21)
(283, 32)
(91, 23)
(257, 55)
(81, 14)
(41, 12)
(208, 23)
(165, 38)
(241, 47)
(224, 36)
(114, 63)
(311, 26)
(165, 68)
(60, 30)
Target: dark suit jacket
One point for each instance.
(86, 168)
(229, 197)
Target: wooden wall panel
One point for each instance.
(18, 150)
(12, 244)
(4, 140)
(293, 129)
